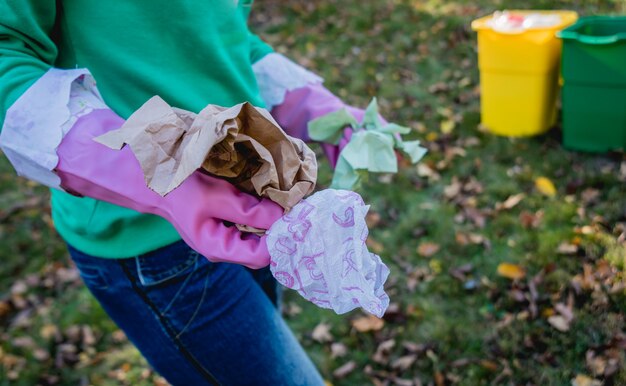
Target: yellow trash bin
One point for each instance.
(519, 65)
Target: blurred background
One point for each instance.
(507, 255)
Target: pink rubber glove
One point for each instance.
(307, 103)
(197, 208)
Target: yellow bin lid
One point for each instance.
(566, 18)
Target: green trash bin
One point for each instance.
(594, 84)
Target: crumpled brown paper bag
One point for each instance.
(242, 144)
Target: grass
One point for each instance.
(473, 328)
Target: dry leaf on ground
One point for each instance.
(583, 380)
(427, 249)
(559, 322)
(566, 248)
(510, 202)
(368, 323)
(545, 186)
(344, 370)
(321, 333)
(511, 271)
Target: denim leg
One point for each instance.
(109, 283)
(196, 322)
(272, 288)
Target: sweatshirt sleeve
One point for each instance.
(27, 50)
(38, 103)
(258, 48)
(275, 74)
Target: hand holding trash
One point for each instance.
(317, 248)
(370, 147)
(197, 209)
(307, 103)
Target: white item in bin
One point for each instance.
(511, 22)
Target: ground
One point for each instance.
(507, 256)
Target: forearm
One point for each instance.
(39, 119)
(296, 96)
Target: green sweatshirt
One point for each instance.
(191, 53)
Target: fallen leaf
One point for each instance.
(427, 249)
(452, 190)
(383, 350)
(565, 311)
(375, 246)
(5, 308)
(404, 362)
(321, 333)
(488, 364)
(431, 136)
(461, 239)
(440, 380)
(545, 186)
(597, 364)
(589, 195)
(517, 295)
(566, 248)
(160, 381)
(583, 380)
(447, 126)
(119, 336)
(403, 382)
(461, 362)
(344, 370)
(291, 309)
(464, 239)
(67, 275)
(511, 271)
(372, 219)
(19, 288)
(338, 350)
(547, 312)
(510, 202)
(49, 331)
(438, 87)
(368, 323)
(478, 217)
(559, 322)
(465, 82)
(89, 338)
(41, 354)
(416, 347)
(460, 273)
(531, 220)
(19, 302)
(476, 238)
(424, 170)
(435, 266)
(23, 342)
(73, 333)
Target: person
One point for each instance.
(191, 292)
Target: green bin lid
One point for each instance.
(596, 30)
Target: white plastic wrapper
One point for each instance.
(318, 249)
(511, 22)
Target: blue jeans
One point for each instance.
(197, 322)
